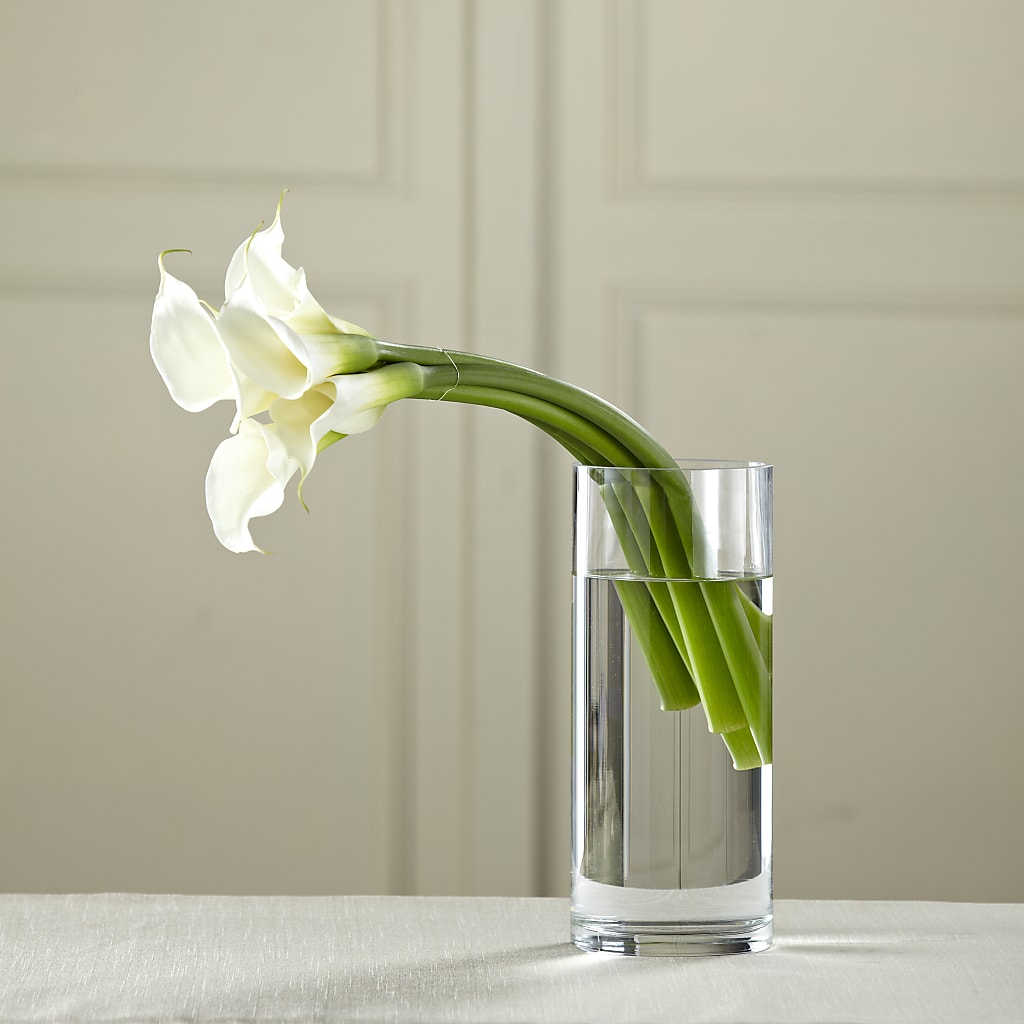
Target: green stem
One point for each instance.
(742, 654)
(537, 411)
(743, 749)
(760, 626)
(653, 626)
(691, 625)
(727, 661)
(484, 371)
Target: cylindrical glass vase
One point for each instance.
(672, 637)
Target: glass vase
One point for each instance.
(672, 633)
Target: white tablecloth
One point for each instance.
(143, 959)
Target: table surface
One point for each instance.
(145, 958)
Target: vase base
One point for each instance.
(650, 938)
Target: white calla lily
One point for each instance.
(186, 346)
(295, 419)
(264, 350)
(249, 471)
(279, 289)
(270, 340)
(360, 398)
(246, 479)
(346, 404)
(269, 352)
(300, 378)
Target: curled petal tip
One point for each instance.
(167, 252)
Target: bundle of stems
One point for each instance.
(705, 642)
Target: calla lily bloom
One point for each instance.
(271, 339)
(246, 478)
(187, 348)
(250, 470)
(278, 289)
(275, 351)
(281, 362)
(276, 332)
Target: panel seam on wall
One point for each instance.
(467, 563)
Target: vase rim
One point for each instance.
(688, 464)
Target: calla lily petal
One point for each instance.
(346, 404)
(252, 400)
(357, 423)
(186, 347)
(286, 363)
(263, 349)
(345, 327)
(276, 282)
(246, 479)
(278, 288)
(309, 317)
(360, 398)
(294, 420)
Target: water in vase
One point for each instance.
(671, 844)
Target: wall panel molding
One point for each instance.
(632, 174)
(384, 304)
(632, 301)
(385, 173)
(628, 306)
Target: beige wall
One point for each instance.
(791, 231)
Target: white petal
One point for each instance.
(348, 328)
(186, 348)
(246, 479)
(236, 272)
(258, 258)
(279, 289)
(308, 316)
(293, 420)
(252, 399)
(267, 350)
(360, 398)
(355, 424)
(263, 349)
